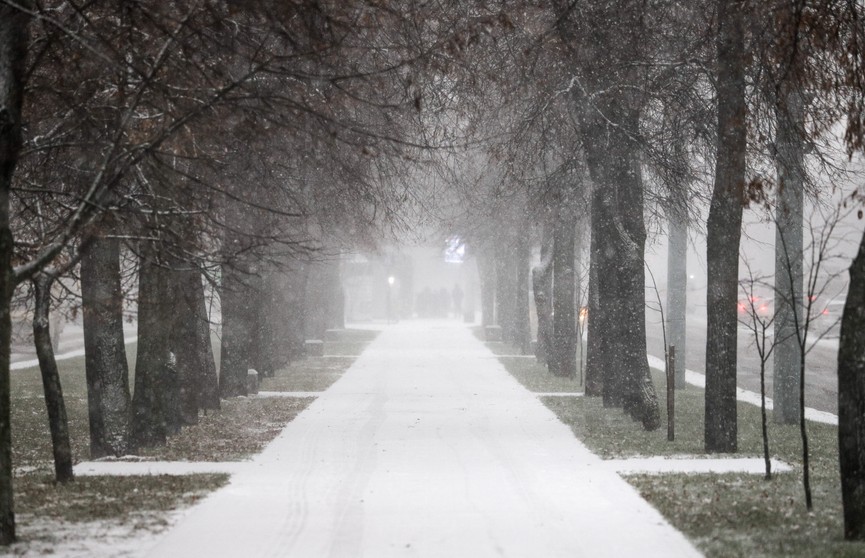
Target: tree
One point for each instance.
(851, 395)
(104, 348)
(723, 231)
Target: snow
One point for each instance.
(289, 393)
(425, 447)
(694, 464)
(72, 335)
(753, 398)
(95, 468)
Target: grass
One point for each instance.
(241, 428)
(348, 342)
(38, 496)
(723, 514)
(78, 516)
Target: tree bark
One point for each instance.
(208, 397)
(296, 287)
(522, 327)
(335, 299)
(107, 370)
(196, 370)
(620, 236)
(789, 295)
(58, 423)
(155, 406)
(564, 363)
(542, 286)
(487, 273)
(315, 301)
(506, 278)
(851, 401)
(236, 333)
(14, 24)
(724, 232)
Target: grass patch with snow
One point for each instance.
(101, 516)
(119, 508)
(723, 514)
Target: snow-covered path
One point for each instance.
(425, 447)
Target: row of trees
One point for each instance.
(223, 143)
(180, 155)
(614, 112)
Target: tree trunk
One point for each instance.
(155, 406)
(542, 286)
(296, 287)
(595, 342)
(7, 248)
(487, 273)
(196, 371)
(723, 233)
(335, 298)
(851, 401)
(619, 235)
(236, 333)
(677, 288)
(578, 301)
(208, 396)
(789, 296)
(506, 278)
(522, 327)
(105, 352)
(609, 313)
(315, 304)
(564, 363)
(14, 23)
(58, 424)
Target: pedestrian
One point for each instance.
(457, 296)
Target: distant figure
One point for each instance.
(441, 303)
(424, 303)
(457, 296)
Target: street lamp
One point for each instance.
(390, 281)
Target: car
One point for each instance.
(828, 321)
(763, 307)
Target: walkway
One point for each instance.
(425, 447)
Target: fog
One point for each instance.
(458, 278)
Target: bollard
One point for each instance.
(251, 382)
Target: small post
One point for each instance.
(251, 382)
(671, 394)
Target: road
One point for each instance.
(821, 380)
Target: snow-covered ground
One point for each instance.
(71, 345)
(753, 398)
(425, 447)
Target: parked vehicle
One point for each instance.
(828, 322)
(763, 307)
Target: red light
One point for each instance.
(825, 312)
